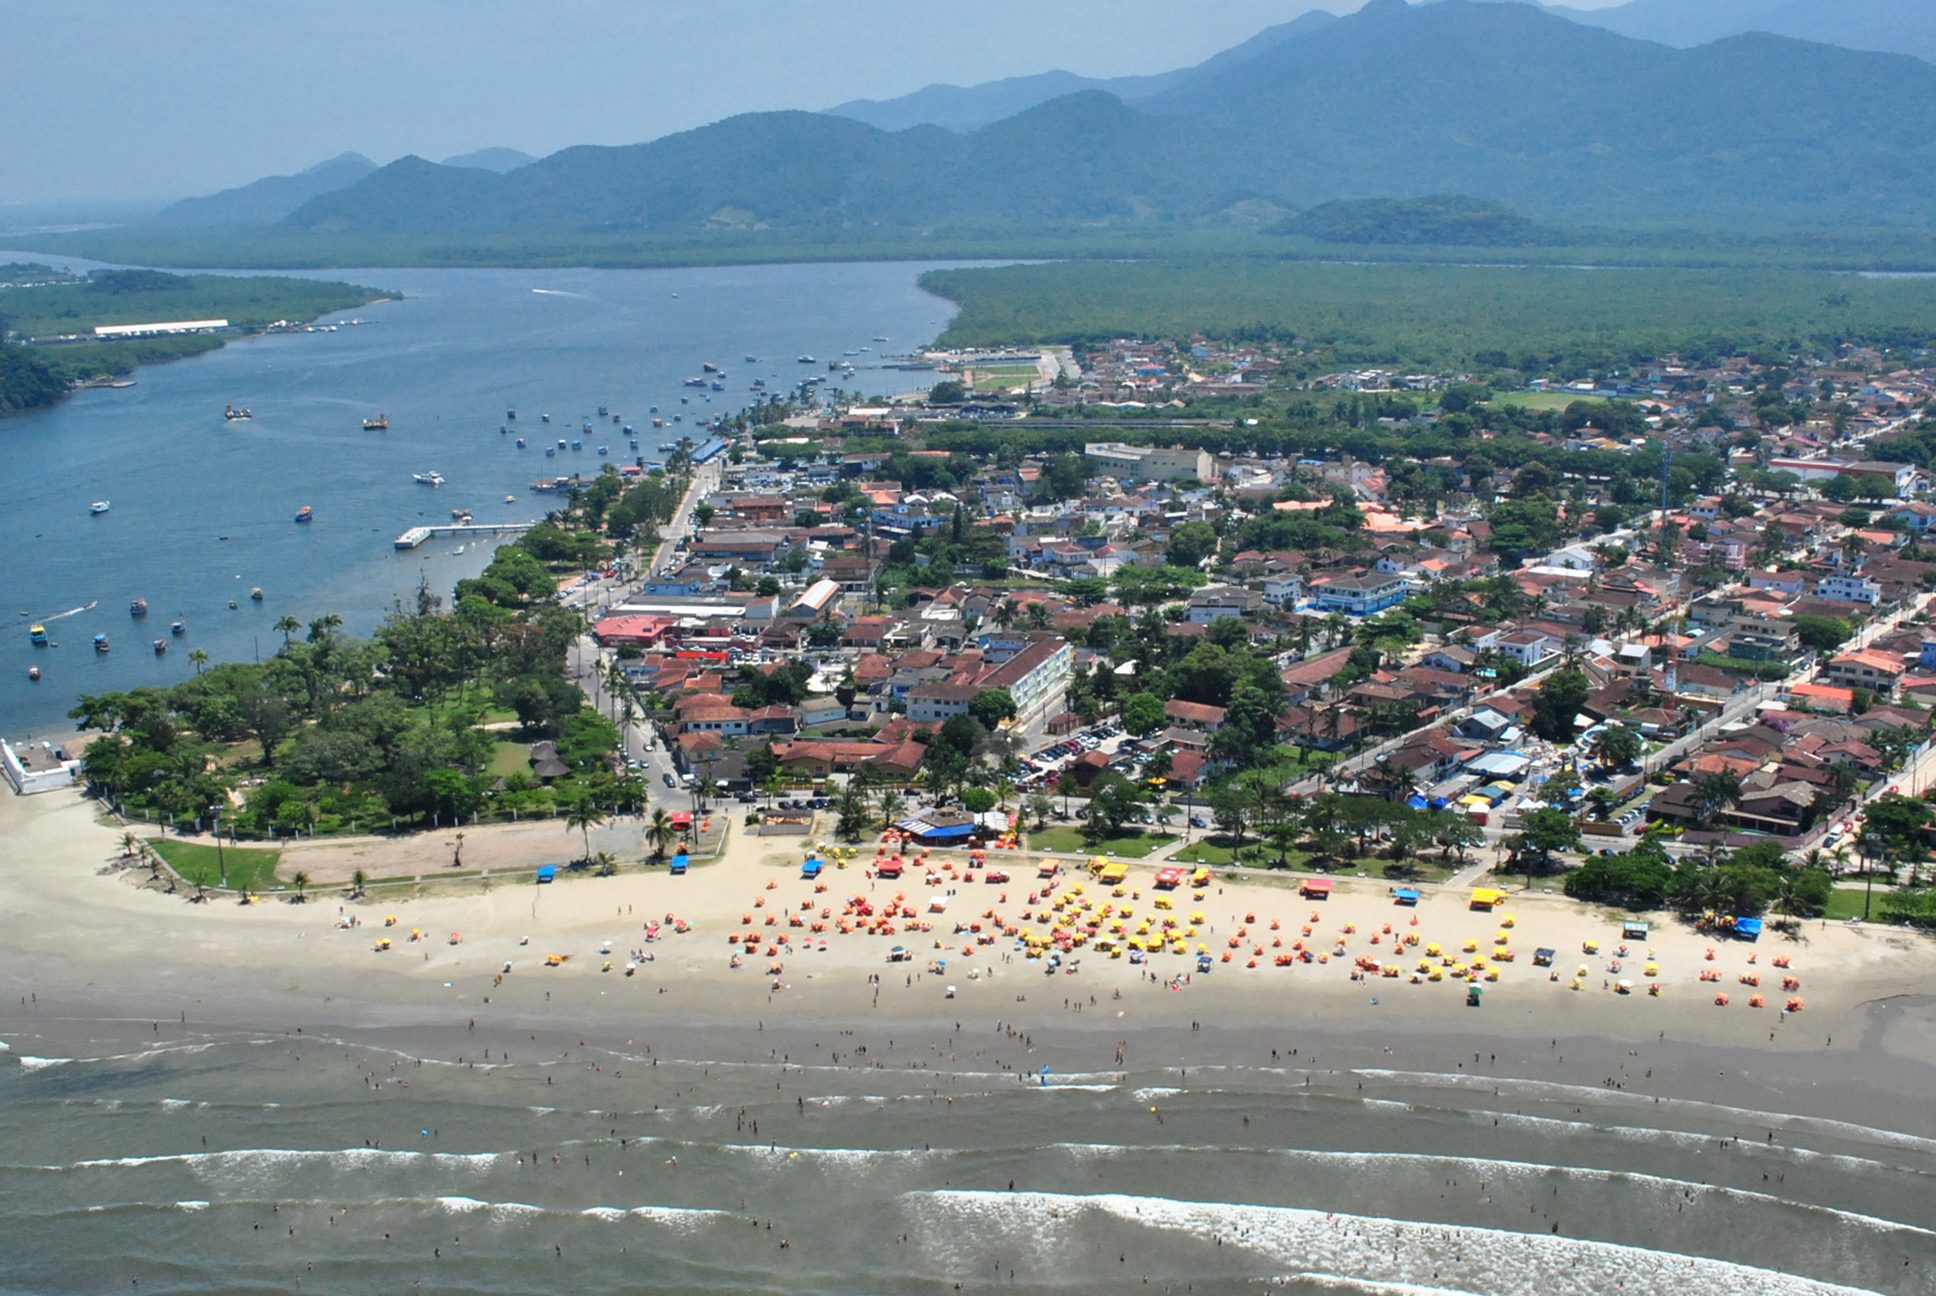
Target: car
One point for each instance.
(1607, 852)
(1198, 821)
(746, 798)
(667, 780)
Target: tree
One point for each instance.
(584, 813)
(853, 811)
(660, 832)
(1113, 800)
(991, 707)
(1039, 808)
(1142, 713)
(1558, 703)
(978, 800)
(1544, 834)
(604, 863)
(301, 882)
(359, 881)
(1714, 792)
(1617, 746)
(198, 657)
(286, 626)
(947, 392)
(1190, 544)
(1822, 633)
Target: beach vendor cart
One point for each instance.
(1747, 929)
(1542, 958)
(811, 870)
(1487, 897)
(1405, 895)
(1315, 889)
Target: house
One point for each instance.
(1149, 463)
(1452, 657)
(1215, 602)
(1283, 591)
(1360, 595)
(1866, 668)
(1849, 587)
(1791, 583)
(1486, 725)
(1194, 715)
(1530, 648)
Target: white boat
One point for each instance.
(458, 552)
(99, 506)
(427, 478)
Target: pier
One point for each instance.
(416, 535)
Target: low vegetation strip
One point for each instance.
(246, 868)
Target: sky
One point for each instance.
(158, 99)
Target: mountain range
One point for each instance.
(1502, 102)
(273, 198)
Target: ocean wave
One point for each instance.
(191, 1205)
(1321, 1245)
(347, 1158)
(497, 1210)
(1601, 1096)
(677, 1216)
(41, 1063)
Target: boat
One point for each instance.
(710, 367)
(161, 647)
(719, 384)
(99, 507)
(460, 513)
(695, 382)
(231, 413)
(100, 643)
(458, 552)
(138, 607)
(427, 478)
(562, 443)
(381, 423)
(511, 415)
(520, 443)
(177, 629)
(751, 358)
(602, 411)
(807, 359)
(37, 635)
(232, 605)
(305, 513)
(601, 449)
(510, 499)
(576, 444)
(882, 338)
(255, 593)
(33, 673)
(544, 418)
(550, 453)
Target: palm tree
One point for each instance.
(457, 852)
(584, 814)
(199, 658)
(321, 628)
(605, 864)
(891, 804)
(301, 882)
(129, 842)
(358, 881)
(286, 626)
(1715, 791)
(152, 858)
(660, 833)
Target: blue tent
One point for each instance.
(679, 864)
(1439, 803)
(547, 873)
(1405, 895)
(1416, 801)
(1747, 929)
(811, 869)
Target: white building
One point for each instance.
(1150, 463)
(38, 767)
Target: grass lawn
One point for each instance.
(1131, 845)
(1845, 903)
(1557, 401)
(249, 868)
(1216, 853)
(509, 758)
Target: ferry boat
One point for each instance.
(255, 593)
(427, 478)
(231, 413)
(138, 607)
(161, 647)
(37, 635)
(305, 513)
(100, 643)
(177, 629)
(99, 507)
(381, 423)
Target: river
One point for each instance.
(203, 509)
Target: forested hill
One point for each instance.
(1565, 123)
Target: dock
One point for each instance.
(416, 535)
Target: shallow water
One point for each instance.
(234, 1161)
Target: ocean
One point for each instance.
(203, 509)
(659, 1154)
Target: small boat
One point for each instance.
(177, 629)
(617, 419)
(100, 643)
(232, 605)
(695, 382)
(550, 453)
(602, 411)
(231, 413)
(601, 449)
(710, 367)
(33, 673)
(576, 444)
(510, 499)
(458, 552)
(626, 428)
(256, 593)
(37, 635)
(161, 647)
(502, 430)
(520, 443)
(511, 415)
(381, 423)
(882, 338)
(751, 358)
(562, 443)
(99, 507)
(544, 418)
(305, 513)
(428, 478)
(138, 607)
(807, 359)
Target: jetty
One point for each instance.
(416, 535)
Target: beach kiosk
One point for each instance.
(1315, 889)
(1200, 877)
(889, 868)
(1112, 874)
(1169, 879)
(811, 869)
(1405, 895)
(1747, 929)
(678, 866)
(1633, 930)
(547, 873)
(1542, 957)
(1487, 897)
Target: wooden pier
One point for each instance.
(416, 535)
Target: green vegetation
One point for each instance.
(1127, 845)
(1439, 317)
(1439, 220)
(1748, 882)
(247, 868)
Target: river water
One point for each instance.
(202, 508)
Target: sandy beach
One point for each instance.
(263, 1086)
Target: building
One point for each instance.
(1866, 668)
(1037, 678)
(932, 703)
(819, 600)
(1364, 595)
(38, 767)
(1150, 463)
(1218, 601)
(1852, 587)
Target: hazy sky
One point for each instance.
(163, 98)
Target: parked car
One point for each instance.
(1198, 821)
(667, 780)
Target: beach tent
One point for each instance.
(811, 869)
(1542, 958)
(1747, 929)
(1633, 930)
(1169, 878)
(1200, 877)
(1110, 874)
(889, 868)
(679, 864)
(1417, 802)
(681, 818)
(1405, 895)
(1315, 888)
(1487, 897)
(548, 873)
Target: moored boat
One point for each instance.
(99, 507)
(33, 673)
(161, 647)
(432, 478)
(37, 635)
(177, 629)
(100, 643)
(305, 513)
(256, 593)
(138, 607)
(381, 423)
